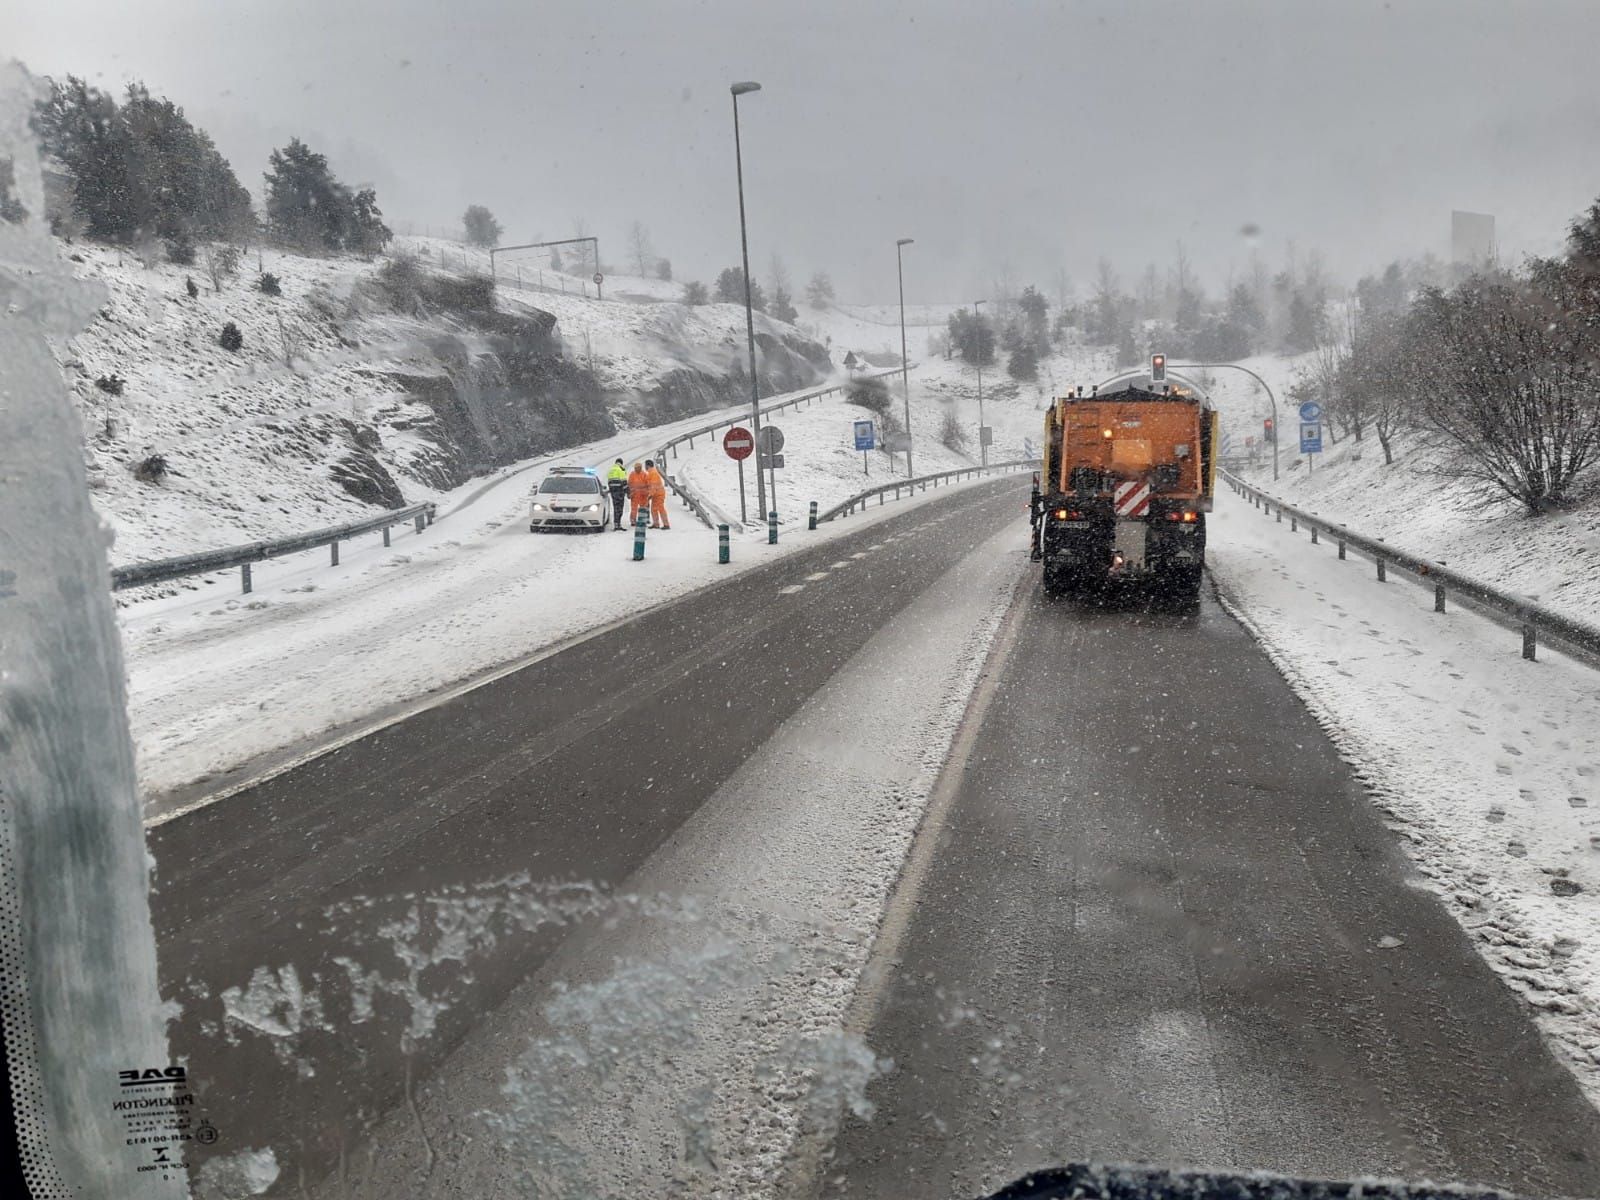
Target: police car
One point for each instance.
(571, 498)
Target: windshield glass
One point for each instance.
(1101, 668)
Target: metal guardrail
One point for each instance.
(1527, 616)
(684, 492)
(206, 561)
(924, 482)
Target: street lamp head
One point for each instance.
(740, 89)
(905, 241)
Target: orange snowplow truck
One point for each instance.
(1129, 474)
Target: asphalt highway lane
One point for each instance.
(335, 931)
(1160, 922)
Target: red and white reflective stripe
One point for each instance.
(1132, 499)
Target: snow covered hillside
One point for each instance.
(351, 391)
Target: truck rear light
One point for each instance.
(1068, 514)
(1188, 516)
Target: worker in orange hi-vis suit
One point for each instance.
(658, 496)
(638, 493)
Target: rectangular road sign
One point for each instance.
(866, 438)
(986, 435)
(1310, 439)
(770, 462)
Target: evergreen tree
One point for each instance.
(695, 294)
(730, 289)
(819, 292)
(782, 306)
(481, 227)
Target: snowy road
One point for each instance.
(368, 907)
(1157, 919)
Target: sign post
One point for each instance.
(1310, 432)
(769, 442)
(866, 440)
(738, 445)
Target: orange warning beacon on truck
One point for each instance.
(1127, 479)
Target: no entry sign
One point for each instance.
(738, 444)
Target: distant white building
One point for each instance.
(1471, 240)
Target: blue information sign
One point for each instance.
(1310, 439)
(865, 436)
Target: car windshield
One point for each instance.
(1102, 669)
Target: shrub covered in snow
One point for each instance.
(268, 284)
(110, 384)
(951, 436)
(151, 470)
(230, 338)
(180, 249)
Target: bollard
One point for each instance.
(1529, 643)
(1438, 597)
(772, 529)
(1341, 547)
(722, 542)
(638, 538)
(244, 575)
(385, 535)
(335, 546)
(813, 518)
(1383, 573)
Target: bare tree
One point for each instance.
(221, 262)
(640, 249)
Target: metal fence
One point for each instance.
(804, 399)
(206, 561)
(923, 483)
(1528, 617)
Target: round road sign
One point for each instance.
(598, 279)
(737, 443)
(1311, 412)
(771, 439)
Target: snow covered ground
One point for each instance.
(1486, 764)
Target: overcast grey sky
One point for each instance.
(1040, 135)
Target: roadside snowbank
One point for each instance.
(1485, 763)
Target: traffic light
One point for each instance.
(1266, 427)
(1158, 368)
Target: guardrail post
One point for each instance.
(638, 538)
(421, 517)
(1383, 573)
(1294, 525)
(334, 545)
(722, 543)
(244, 575)
(1313, 535)
(1530, 643)
(1280, 514)
(1438, 597)
(385, 535)
(813, 520)
(772, 528)
(1341, 547)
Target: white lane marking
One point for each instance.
(862, 554)
(791, 589)
(875, 546)
(816, 575)
(843, 562)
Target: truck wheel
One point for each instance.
(1183, 583)
(1058, 582)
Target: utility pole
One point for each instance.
(983, 446)
(905, 362)
(739, 89)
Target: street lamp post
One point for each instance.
(1273, 400)
(983, 446)
(905, 363)
(738, 90)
